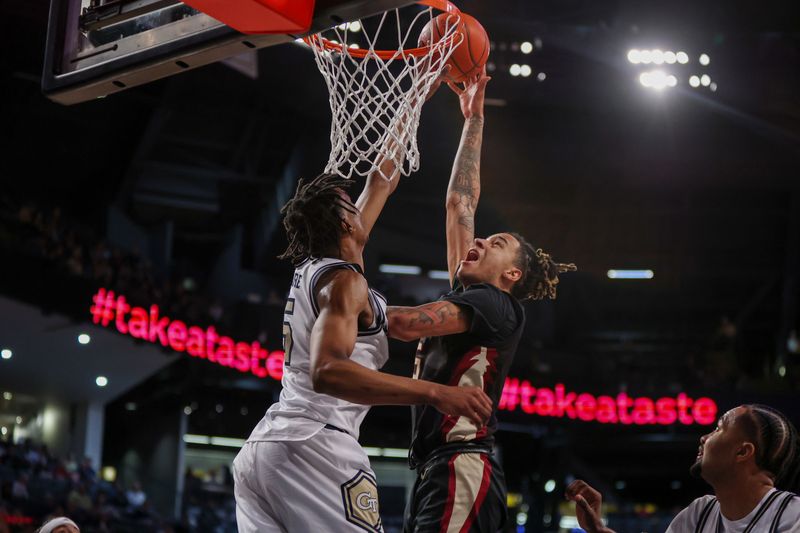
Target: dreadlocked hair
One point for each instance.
(312, 218)
(777, 444)
(539, 272)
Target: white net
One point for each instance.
(376, 96)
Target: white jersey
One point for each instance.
(301, 413)
(777, 512)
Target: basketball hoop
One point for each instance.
(376, 95)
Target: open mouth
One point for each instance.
(472, 256)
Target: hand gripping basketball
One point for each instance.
(472, 95)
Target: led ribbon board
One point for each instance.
(109, 309)
(112, 310)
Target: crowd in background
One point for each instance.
(35, 486)
(77, 250)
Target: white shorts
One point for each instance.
(321, 484)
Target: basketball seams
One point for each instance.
(463, 60)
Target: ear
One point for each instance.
(745, 452)
(513, 274)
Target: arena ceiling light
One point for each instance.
(84, 338)
(101, 381)
(550, 485)
(406, 270)
(705, 80)
(694, 81)
(6, 353)
(439, 274)
(525, 70)
(526, 47)
(657, 57)
(704, 59)
(7, 396)
(657, 79)
(630, 274)
(515, 70)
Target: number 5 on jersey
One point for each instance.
(287, 332)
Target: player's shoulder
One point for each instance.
(687, 520)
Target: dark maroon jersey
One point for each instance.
(479, 357)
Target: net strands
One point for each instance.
(376, 102)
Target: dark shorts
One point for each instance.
(462, 491)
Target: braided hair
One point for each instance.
(312, 218)
(777, 444)
(539, 272)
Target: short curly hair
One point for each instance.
(539, 272)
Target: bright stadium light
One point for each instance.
(670, 57)
(541, 76)
(672, 81)
(101, 381)
(526, 47)
(658, 56)
(634, 56)
(515, 70)
(408, 270)
(655, 79)
(713, 87)
(705, 80)
(550, 485)
(6, 353)
(704, 59)
(83, 338)
(355, 26)
(694, 81)
(682, 57)
(630, 274)
(7, 396)
(525, 70)
(646, 57)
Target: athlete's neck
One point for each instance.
(740, 495)
(352, 252)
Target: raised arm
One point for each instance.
(342, 299)
(464, 188)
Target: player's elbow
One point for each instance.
(323, 377)
(452, 201)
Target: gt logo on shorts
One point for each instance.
(360, 497)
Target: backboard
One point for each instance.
(99, 47)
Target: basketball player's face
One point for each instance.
(489, 259)
(718, 449)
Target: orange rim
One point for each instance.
(442, 5)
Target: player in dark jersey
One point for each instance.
(469, 338)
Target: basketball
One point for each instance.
(470, 55)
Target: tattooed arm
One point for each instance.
(429, 320)
(464, 188)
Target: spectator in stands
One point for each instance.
(136, 496)
(19, 490)
(78, 499)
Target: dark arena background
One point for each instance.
(654, 144)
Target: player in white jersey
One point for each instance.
(302, 469)
(751, 459)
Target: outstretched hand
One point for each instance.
(588, 502)
(471, 95)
